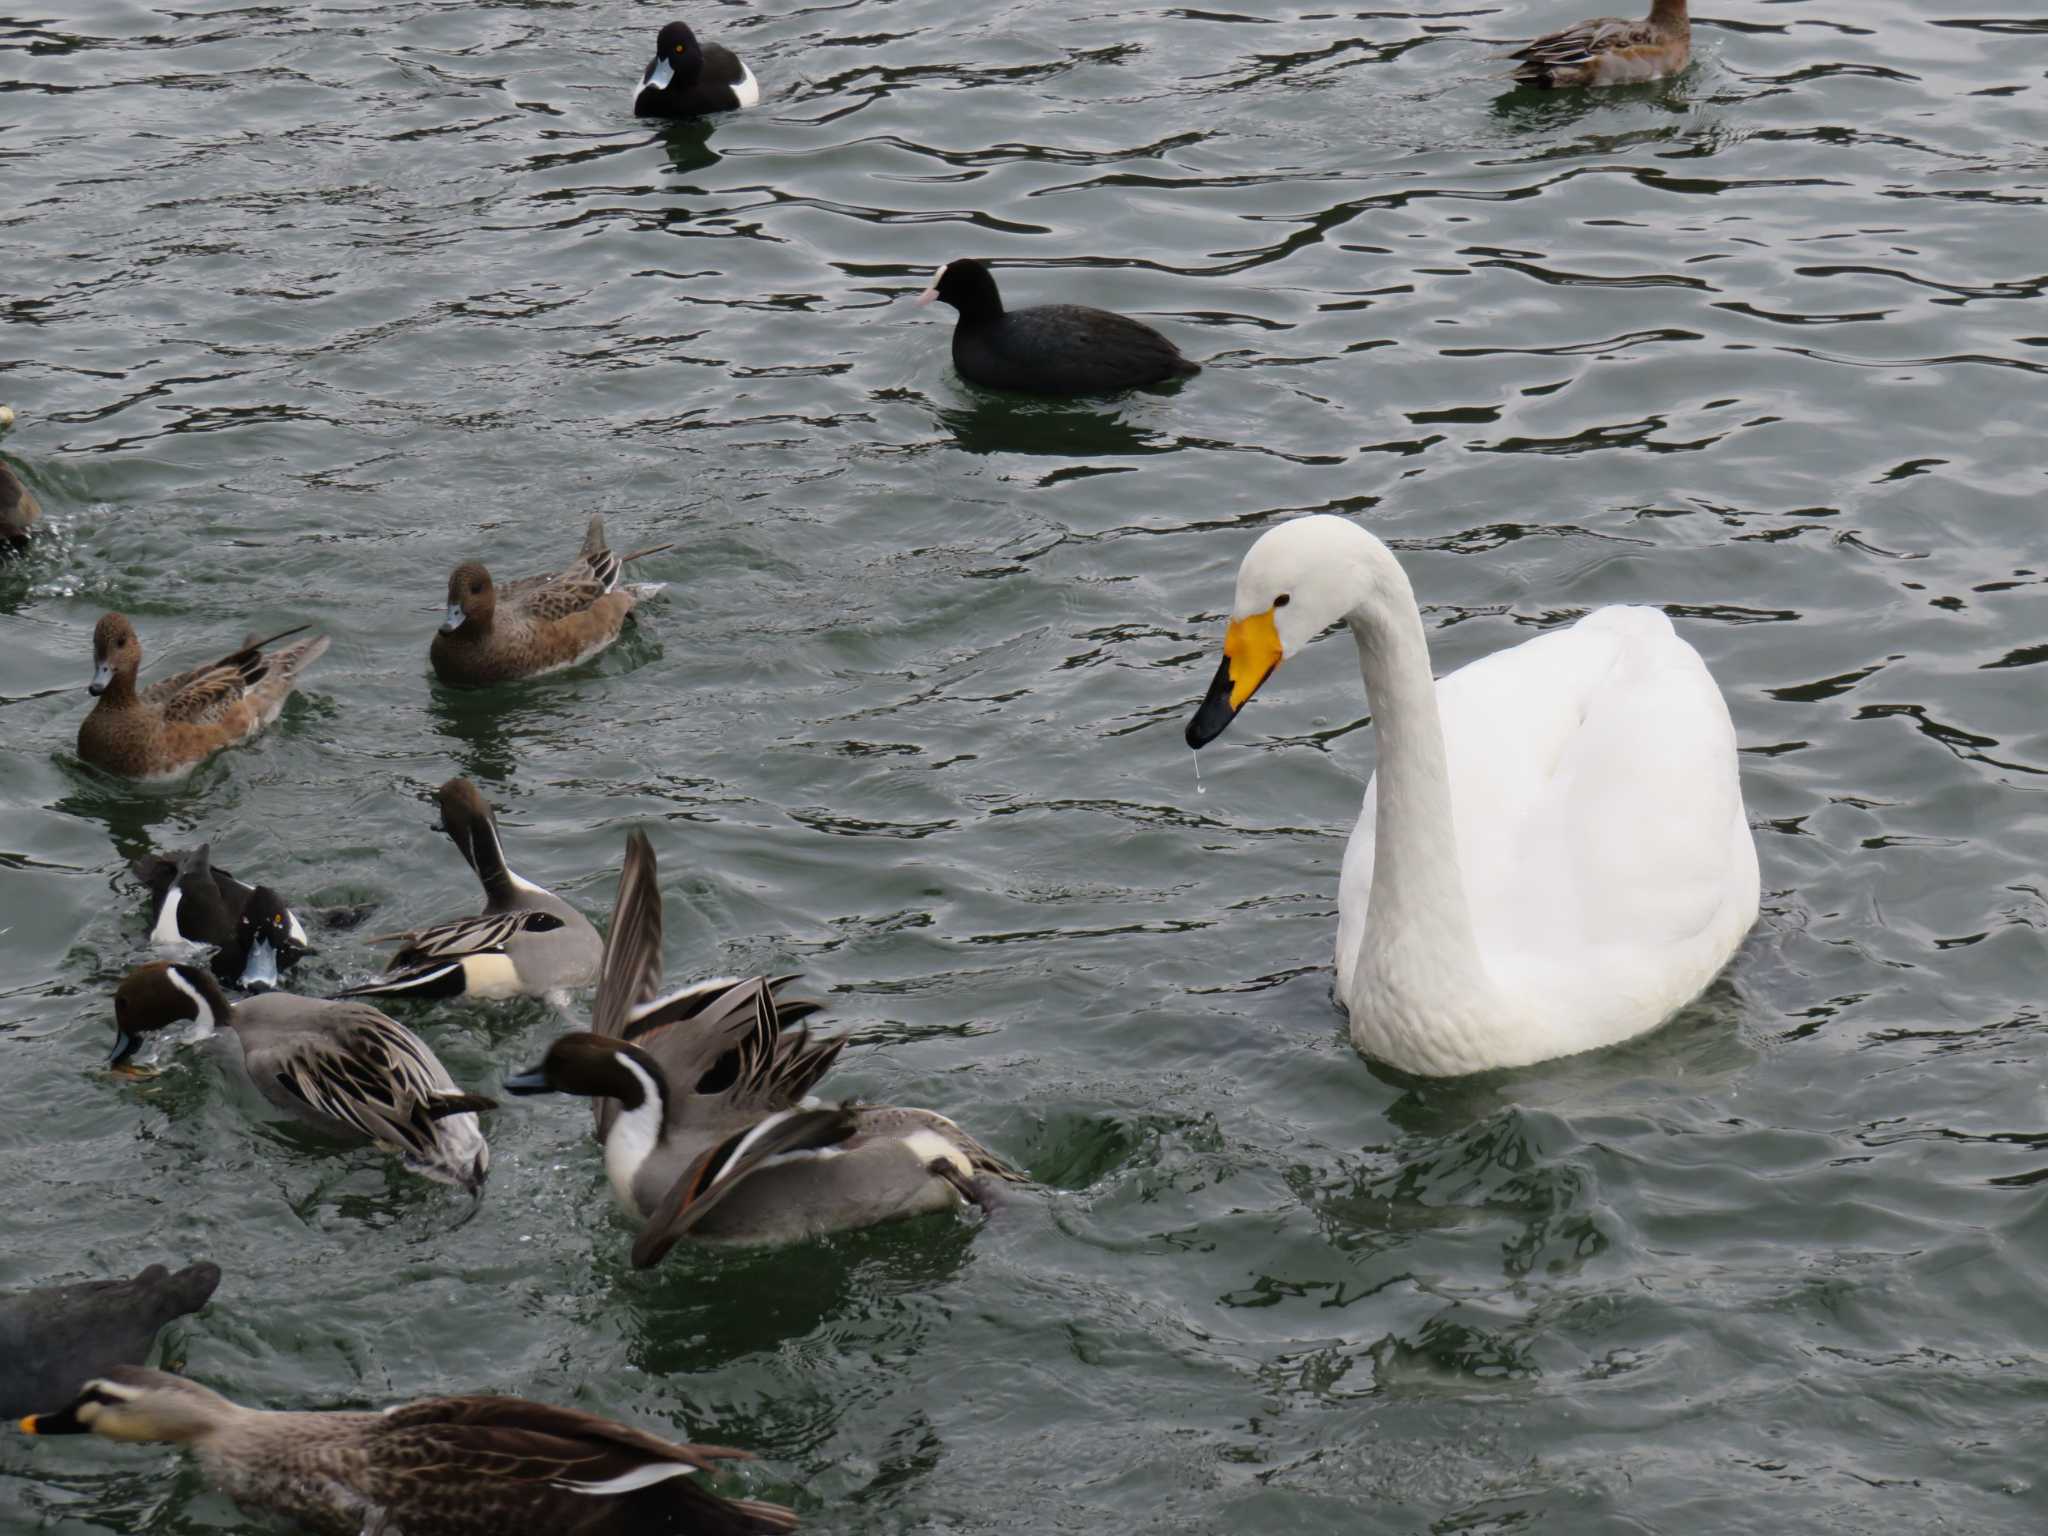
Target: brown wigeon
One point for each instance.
(174, 724)
(1609, 51)
(536, 624)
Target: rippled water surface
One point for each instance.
(305, 303)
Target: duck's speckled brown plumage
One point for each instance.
(173, 724)
(19, 510)
(536, 624)
(1609, 51)
(448, 1466)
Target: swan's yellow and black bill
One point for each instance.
(1251, 650)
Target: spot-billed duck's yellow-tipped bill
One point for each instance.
(1251, 650)
(28, 1425)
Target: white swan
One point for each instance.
(1553, 855)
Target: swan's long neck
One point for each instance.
(1418, 926)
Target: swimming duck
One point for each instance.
(56, 1337)
(687, 78)
(1048, 349)
(19, 511)
(527, 941)
(1609, 51)
(254, 933)
(1553, 855)
(444, 1466)
(537, 624)
(172, 725)
(342, 1067)
(713, 1137)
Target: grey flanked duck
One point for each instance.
(256, 936)
(176, 723)
(527, 941)
(341, 1067)
(536, 624)
(57, 1336)
(713, 1135)
(444, 1466)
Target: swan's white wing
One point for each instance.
(1598, 808)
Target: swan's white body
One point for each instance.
(1553, 855)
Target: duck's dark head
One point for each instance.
(472, 600)
(158, 995)
(678, 58)
(594, 1067)
(268, 939)
(968, 286)
(116, 652)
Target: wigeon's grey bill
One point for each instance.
(102, 677)
(448, 625)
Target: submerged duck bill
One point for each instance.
(1251, 650)
(454, 620)
(125, 1045)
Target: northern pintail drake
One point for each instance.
(19, 511)
(1552, 855)
(342, 1067)
(56, 1337)
(713, 1136)
(536, 624)
(1609, 51)
(254, 934)
(527, 941)
(687, 78)
(444, 1466)
(174, 724)
(1048, 349)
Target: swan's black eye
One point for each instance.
(1282, 600)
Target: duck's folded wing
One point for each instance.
(371, 1074)
(207, 693)
(429, 960)
(717, 1173)
(1582, 43)
(546, 1463)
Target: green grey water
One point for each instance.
(303, 304)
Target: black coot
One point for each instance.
(54, 1340)
(1048, 349)
(689, 79)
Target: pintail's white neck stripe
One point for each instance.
(209, 1021)
(634, 1134)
